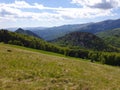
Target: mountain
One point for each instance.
(102, 26)
(34, 28)
(112, 58)
(81, 40)
(51, 33)
(111, 36)
(26, 32)
(55, 32)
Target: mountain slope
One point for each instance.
(55, 32)
(102, 26)
(111, 37)
(81, 40)
(26, 32)
(23, 69)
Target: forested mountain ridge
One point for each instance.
(111, 37)
(26, 32)
(26, 41)
(82, 40)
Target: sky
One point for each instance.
(48, 13)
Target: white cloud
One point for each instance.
(101, 4)
(22, 4)
(83, 13)
(86, 2)
(13, 11)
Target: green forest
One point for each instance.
(104, 57)
(111, 37)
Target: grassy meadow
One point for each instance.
(28, 69)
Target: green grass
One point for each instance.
(29, 69)
(35, 50)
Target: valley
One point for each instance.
(59, 44)
(68, 57)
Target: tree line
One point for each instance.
(110, 58)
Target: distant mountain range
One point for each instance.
(111, 36)
(26, 32)
(59, 31)
(55, 32)
(27, 28)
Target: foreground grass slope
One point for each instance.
(29, 70)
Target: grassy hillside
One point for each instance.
(26, 69)
(111, 37)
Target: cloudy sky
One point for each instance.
(33, 13)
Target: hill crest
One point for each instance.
(81, 40)
(26, 32)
